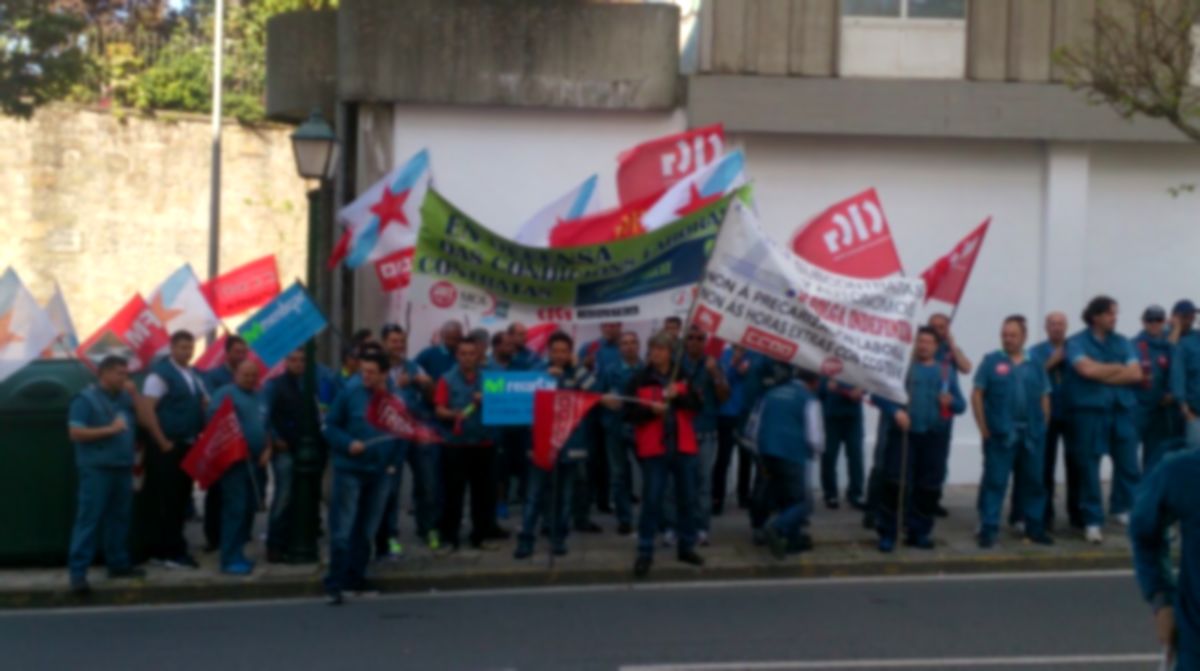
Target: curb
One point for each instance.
(665, 572)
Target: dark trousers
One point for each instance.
(212, 515)
(1059, 430)
(167, 490)
(726, 444)
(597, 481)
(839, 432)
(681, 469)
(922, 471)
(462, 467)
(512, 463)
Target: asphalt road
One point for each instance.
(977, 623)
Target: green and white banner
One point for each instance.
(463, 270)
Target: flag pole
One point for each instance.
(258, 497)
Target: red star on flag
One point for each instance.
(7, 336)
(162, 313)
(391, 208)
(697, 201)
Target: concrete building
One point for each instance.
(953, 109)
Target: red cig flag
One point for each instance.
(556, 413)
(220, 446)
(947, 277)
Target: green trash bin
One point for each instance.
(37, 462)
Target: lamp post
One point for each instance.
(316, 148)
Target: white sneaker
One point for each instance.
(1093, 535)
(1018, 528)
(668, 538)
(702, 538)
(1122, 519)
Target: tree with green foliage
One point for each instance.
(1140, 61)
(41, 57)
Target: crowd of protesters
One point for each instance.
(676, 416)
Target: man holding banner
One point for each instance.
(361, 455)
(242, 484)
(666, 446)
(566, 469)
(172, 411)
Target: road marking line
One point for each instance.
(931, 663)
(746, 584)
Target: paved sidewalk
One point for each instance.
(843, 548)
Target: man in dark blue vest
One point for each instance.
(172, 412)
(101, 426)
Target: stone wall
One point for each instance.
(110, 205)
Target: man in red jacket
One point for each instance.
(666, 446)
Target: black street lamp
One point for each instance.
(316, 148)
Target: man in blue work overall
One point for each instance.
(361, 456)
(786, 428)
(243, 483)
(618, 434)
(914, 456)
(952, 358)
(1103, 366)
(100, 422)
(1167, 496)
(1011, 402)
(1157, 415)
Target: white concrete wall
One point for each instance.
(503, 165)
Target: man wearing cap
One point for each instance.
(1185, 370)
(1157, 415)
(1183, 317)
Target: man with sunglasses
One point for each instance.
(1156, 415)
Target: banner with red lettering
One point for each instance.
(653, 166)
(556, 414)
(244, 288)
(390, 414)
(219, 446)
(851, 238)
(135, 333)
(758, 294)
(395, 270)
(946, 279)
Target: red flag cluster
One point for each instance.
(390, 414)
(650, 168)
(946, 279)
(556, 414)
(220, 446)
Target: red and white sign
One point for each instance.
(388, 413)
(135, 332)
(768, 344)
(652, 167)
(443, 294)
(851, 238)
(395, 270)
(244, 288)
(707, 319)
(946, 278)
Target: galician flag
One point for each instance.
(572, 205)
(384, 218)
(698, 190)
(181, 306)
(56, 309)
(25, 329)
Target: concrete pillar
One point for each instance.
(987, 40)
(729, 36)
(813, 44)
(1064, 229)
(767, 32)
(1072, 28)
(375, 157)
(1029, 40)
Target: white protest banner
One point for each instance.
(758, 294)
